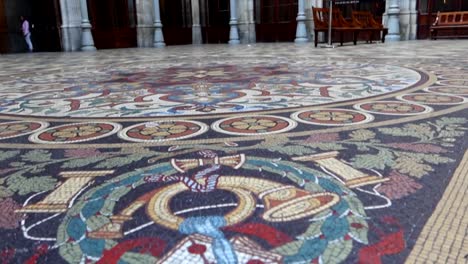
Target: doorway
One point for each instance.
(215, 16)
(3, 29)
(176, 17)
(113, 23)
(45, 29)
(275, 20)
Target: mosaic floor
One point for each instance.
(268, 153)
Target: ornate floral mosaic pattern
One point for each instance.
(212, 88)
(264, 154)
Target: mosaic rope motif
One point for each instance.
(236, 161)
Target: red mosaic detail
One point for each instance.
(197, 249)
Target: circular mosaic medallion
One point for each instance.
(460, 82)
(434, 99)
(394, 108)
(254, 125)
(332, 117)
(163, 131)
(74, 133)
(20, 128)
(455, 90)
(208, 88)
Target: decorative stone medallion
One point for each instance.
(433, 99)
(74, 133)
(394, 108)
(454, 90)
(163, 131)
(254, 125)
(332, 117)
(20, 128)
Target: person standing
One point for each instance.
(26, 33)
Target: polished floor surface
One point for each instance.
(266, 153)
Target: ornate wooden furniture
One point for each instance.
(339, 24)
(366, 21)
(450, 21)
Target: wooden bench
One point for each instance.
(339, 24)
(366, 21)
(449, 21)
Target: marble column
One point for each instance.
(145, 20)
(251, 21)
(87, 42)
(246, 23)
(393, 21)
(301, 32)
(71, 25)
(158, 34)
(404, 18)
(196, 27)
(234, 32)
(413, 20)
